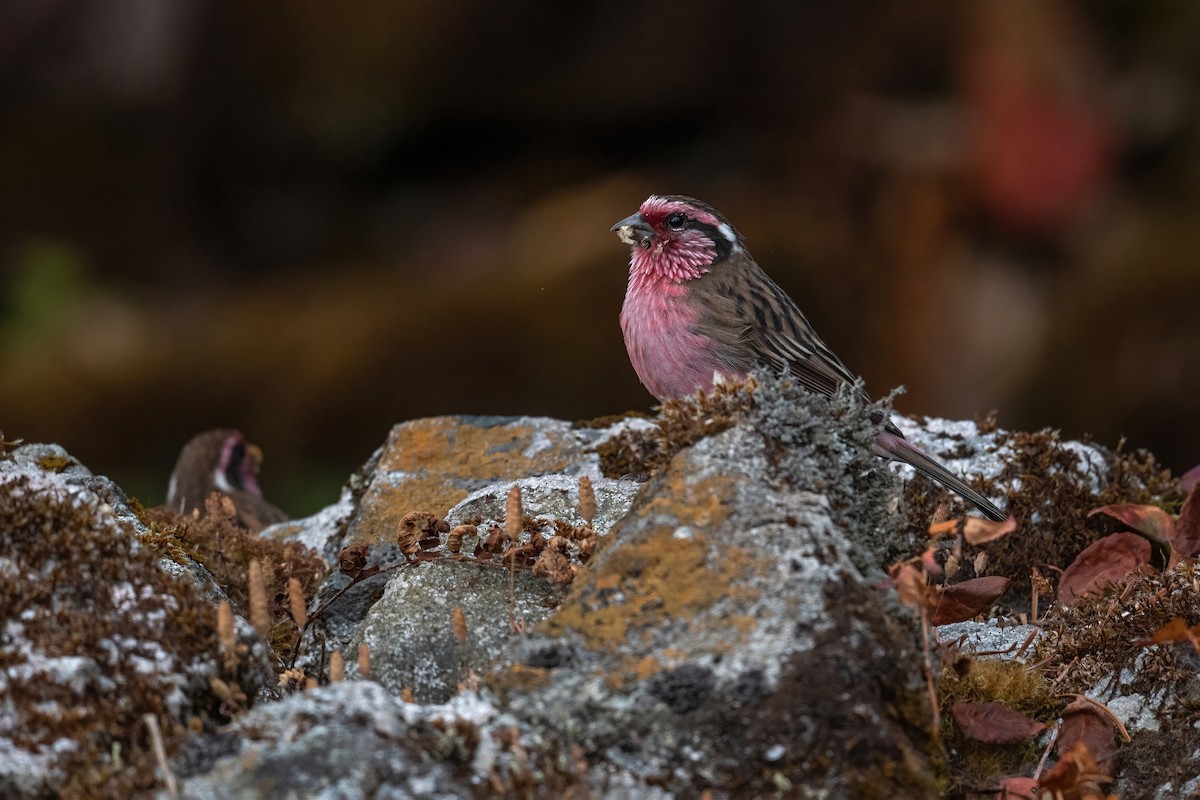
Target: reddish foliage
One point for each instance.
(963, 601)
(1182, 535)
(1187, 527)
(1150, 521)
(1105, 561)
(1075, 777)
(994, 723)
(1081, 722)
(1176, 630)
(1190, 479)
(1017, 788)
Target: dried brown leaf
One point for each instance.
(1105, 561)
(960, 602)
(1177, 630)
(910, 584)
(1150, 521)
(1187, 528)
(1076, 776)
(943, 528)
(978, 531)
(994, 723)
(1083, 722)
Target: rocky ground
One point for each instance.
(731, 599)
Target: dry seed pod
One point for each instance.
(495, 540)
(459, 621)
(407, 539)
(513, 518)
(554, 567)
(364, 660)
(353, 559)
(587, 499)
(455, 539)
(291, 679)
(296, 601)
(225, 635)
(337, 666)
(258, 599)
(588, 546)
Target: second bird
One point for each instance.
(698, 305)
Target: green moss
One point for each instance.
(54, 463)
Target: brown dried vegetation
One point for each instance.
(73, 586)
(679, 424)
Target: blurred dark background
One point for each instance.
(313, 220)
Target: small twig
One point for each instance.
(160, 754)
(1028, 640)
(1046, 754)
(933, 701)
(1063, 673)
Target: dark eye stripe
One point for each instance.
(723, 246)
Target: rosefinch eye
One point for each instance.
(676, 221)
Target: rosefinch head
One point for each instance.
(221, 461)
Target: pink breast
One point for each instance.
(669, 358)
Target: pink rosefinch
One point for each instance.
(221, 461)
(699, 306)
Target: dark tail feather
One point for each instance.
(891, 445)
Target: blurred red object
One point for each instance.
(1041, 143)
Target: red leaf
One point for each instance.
(1082, 723)
(966, 600)
(1076, 775)
(994, 723)
(1104, 561)
(1190, 479)
(1187, 528)
(1018, 788)
(1150, 521)
(978, 530)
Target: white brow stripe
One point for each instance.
(727, 231)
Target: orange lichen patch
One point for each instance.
(383, 506)
(524, 678)
(661, 577)
(456, 447)
(645, 667)
(437, 460)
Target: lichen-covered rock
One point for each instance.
(430, 465)
(410, 629)
(357, 741)
(97, 631)
(725, 640)
(549, 497)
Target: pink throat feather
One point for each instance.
(670, 262)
